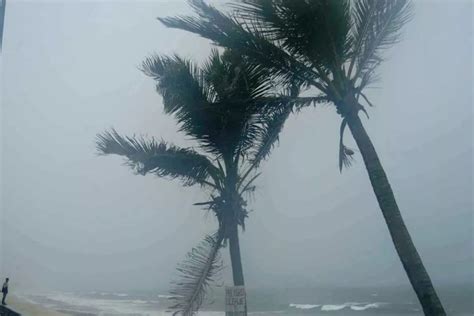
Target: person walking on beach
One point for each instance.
(5, 291)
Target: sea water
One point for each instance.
(264, 302)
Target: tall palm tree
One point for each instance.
(223, 107)
(335, 47)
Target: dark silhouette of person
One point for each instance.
(5, 291)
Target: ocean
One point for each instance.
(292, 302)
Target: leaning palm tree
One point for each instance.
(223, 107)
(334, 47)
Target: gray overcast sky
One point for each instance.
(74, 220)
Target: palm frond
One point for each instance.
(178, 80)
(298, 103)
(190, 95)
(197, 272)
(315, 31)
(271, 129)
(215, 104)
(377, 26)
(202, 23)
(362, 16)
(159, 158)
(245, 38)
(233, 77)
(249, 187)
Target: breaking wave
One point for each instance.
(304, 306)
(355, 306)
(365, 307)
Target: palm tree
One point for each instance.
(223, 107)
(333, 47)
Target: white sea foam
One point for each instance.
(366, 306)
(168, 296)
(120, 294)
(304, 306)
(139, 302)
(355, 306)
(116, 304)
(328, 308)
(99, 304)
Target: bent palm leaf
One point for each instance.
(377, 26)
(230, 32)
(159, 158)
(198, 272)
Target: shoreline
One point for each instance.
(26, 308)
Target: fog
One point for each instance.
(73, 220)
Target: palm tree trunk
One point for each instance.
(234, 249)
(406, 250)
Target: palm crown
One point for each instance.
(222, 106)
(334, 46)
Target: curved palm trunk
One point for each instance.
(406, 250)
(234, 250)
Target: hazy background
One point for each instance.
(73, 220)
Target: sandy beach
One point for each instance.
(29, 309)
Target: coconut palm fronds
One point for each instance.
(159, 158)
(197, 272)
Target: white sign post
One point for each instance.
(235, 301)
